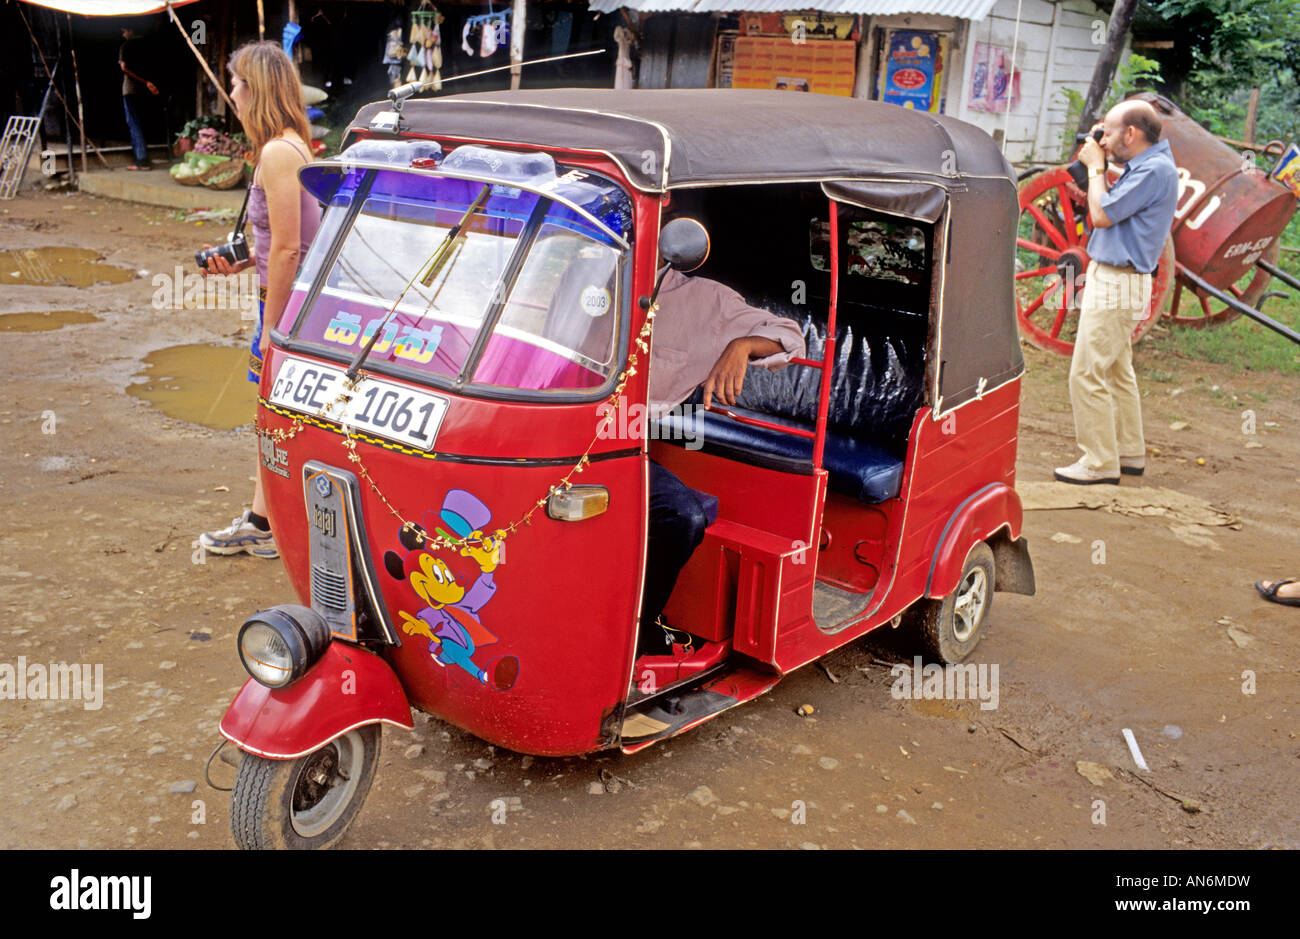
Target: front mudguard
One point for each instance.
(347, 688)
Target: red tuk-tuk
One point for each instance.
(455, 446)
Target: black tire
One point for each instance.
(307, 802)
(951, 628)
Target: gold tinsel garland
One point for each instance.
(642, 345)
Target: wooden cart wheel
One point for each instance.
(1190, 307)
(1051, 252)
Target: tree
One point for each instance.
(1227, 47)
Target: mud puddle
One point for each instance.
(41, 321)
(59, 266)
(200, 383)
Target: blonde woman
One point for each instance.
(268, 101)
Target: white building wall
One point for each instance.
(1056, 50)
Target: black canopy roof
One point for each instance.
(914, 164)
(670, 138)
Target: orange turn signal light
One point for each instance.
(577, 503)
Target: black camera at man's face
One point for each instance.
(235, 250)
(1078, 172)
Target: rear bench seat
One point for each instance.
(876, 388)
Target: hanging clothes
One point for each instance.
(623, 66)
(425, 55)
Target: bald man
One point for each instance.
(1130, 222)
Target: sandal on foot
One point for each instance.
(1270, 593)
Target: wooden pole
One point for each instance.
(199, 56)
(1252, 111)
(296, 55)
(517, 24)
(40, 54)
(1104, 72)
(81, 114)
(261, 20)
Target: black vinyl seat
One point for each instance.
(876, 388)
(857, 468)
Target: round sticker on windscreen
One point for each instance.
(594, 301)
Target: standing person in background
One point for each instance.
(129, 58)
(268, 100)
(1130, 222)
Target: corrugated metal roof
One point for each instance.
(964, 9)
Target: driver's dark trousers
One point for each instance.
(677, 523)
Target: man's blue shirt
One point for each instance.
(1140, 206)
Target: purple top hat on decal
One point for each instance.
(464, 513)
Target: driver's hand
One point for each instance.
(728, 375)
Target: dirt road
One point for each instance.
(102, 495)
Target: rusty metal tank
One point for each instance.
(1230, 213)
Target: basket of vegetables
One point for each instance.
(211, 140)
(194, 165)
(224, 175)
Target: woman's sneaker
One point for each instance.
(241, 536)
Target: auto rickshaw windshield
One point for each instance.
(495, 286)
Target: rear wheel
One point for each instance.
(951, 628)
(308, 802)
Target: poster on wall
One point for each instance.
(823, 66)
(992, 86)
(913, 69)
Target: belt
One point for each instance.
(1126, 268)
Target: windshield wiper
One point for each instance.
(425, 273)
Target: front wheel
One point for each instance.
(951, 628)
(307, 802)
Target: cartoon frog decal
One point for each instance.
(450, 617)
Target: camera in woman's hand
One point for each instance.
(234, 251)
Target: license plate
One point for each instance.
(383, 408)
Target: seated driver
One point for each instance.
(705, 336)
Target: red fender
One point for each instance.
(347, 688)
(995, 506)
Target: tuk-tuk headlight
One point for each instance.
(279, 645)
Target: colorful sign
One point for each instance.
(1287, 171)
(913, 65)
(993, 87)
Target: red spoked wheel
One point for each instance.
(1190, 307)
(1052, 258)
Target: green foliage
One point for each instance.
(196, 124)
(1241, 344)
(1227, 47)
(1135, 73)
(1235, 43)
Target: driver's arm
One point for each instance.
(753, 337)
(727, 377)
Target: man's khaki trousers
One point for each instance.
(1103, 388)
